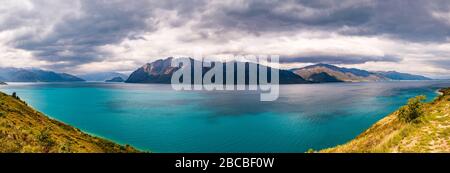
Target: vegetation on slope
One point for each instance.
(24, 130)
(416, 127)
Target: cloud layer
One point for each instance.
(83, 36)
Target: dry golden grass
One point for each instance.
(430, 134)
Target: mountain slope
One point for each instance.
(102, 76)
(341, 74)
(350, 74)
(393, 75)
(323, 77)
(161, 71)
(22, 129)
(430, 134)
(35, 75)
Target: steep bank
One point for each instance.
(25, 130)
(431, 134)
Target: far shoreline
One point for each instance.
(103, 82)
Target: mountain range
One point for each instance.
(161, 71)
(35, 75)
(322, 73)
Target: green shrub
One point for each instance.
(413, 110)
(311, 151)
(45, 139)
(14, 95)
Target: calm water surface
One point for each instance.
(156, 118)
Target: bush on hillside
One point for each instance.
(14, 95)
(413, 110)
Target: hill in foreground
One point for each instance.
(429, 134)
(24, 130)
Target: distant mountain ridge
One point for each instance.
(160, 71)
(35, 75)
(402, 76)
(102, 76)
(115, 79)
(336, 74)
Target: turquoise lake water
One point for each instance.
(156, 118)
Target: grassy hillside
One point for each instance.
(24, 130)
(430, 132)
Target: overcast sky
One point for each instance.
(81, 36)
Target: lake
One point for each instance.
(157, 118)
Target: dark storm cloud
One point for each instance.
(270, 16)
(338, 59)
(75, 39)
(411, 20)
